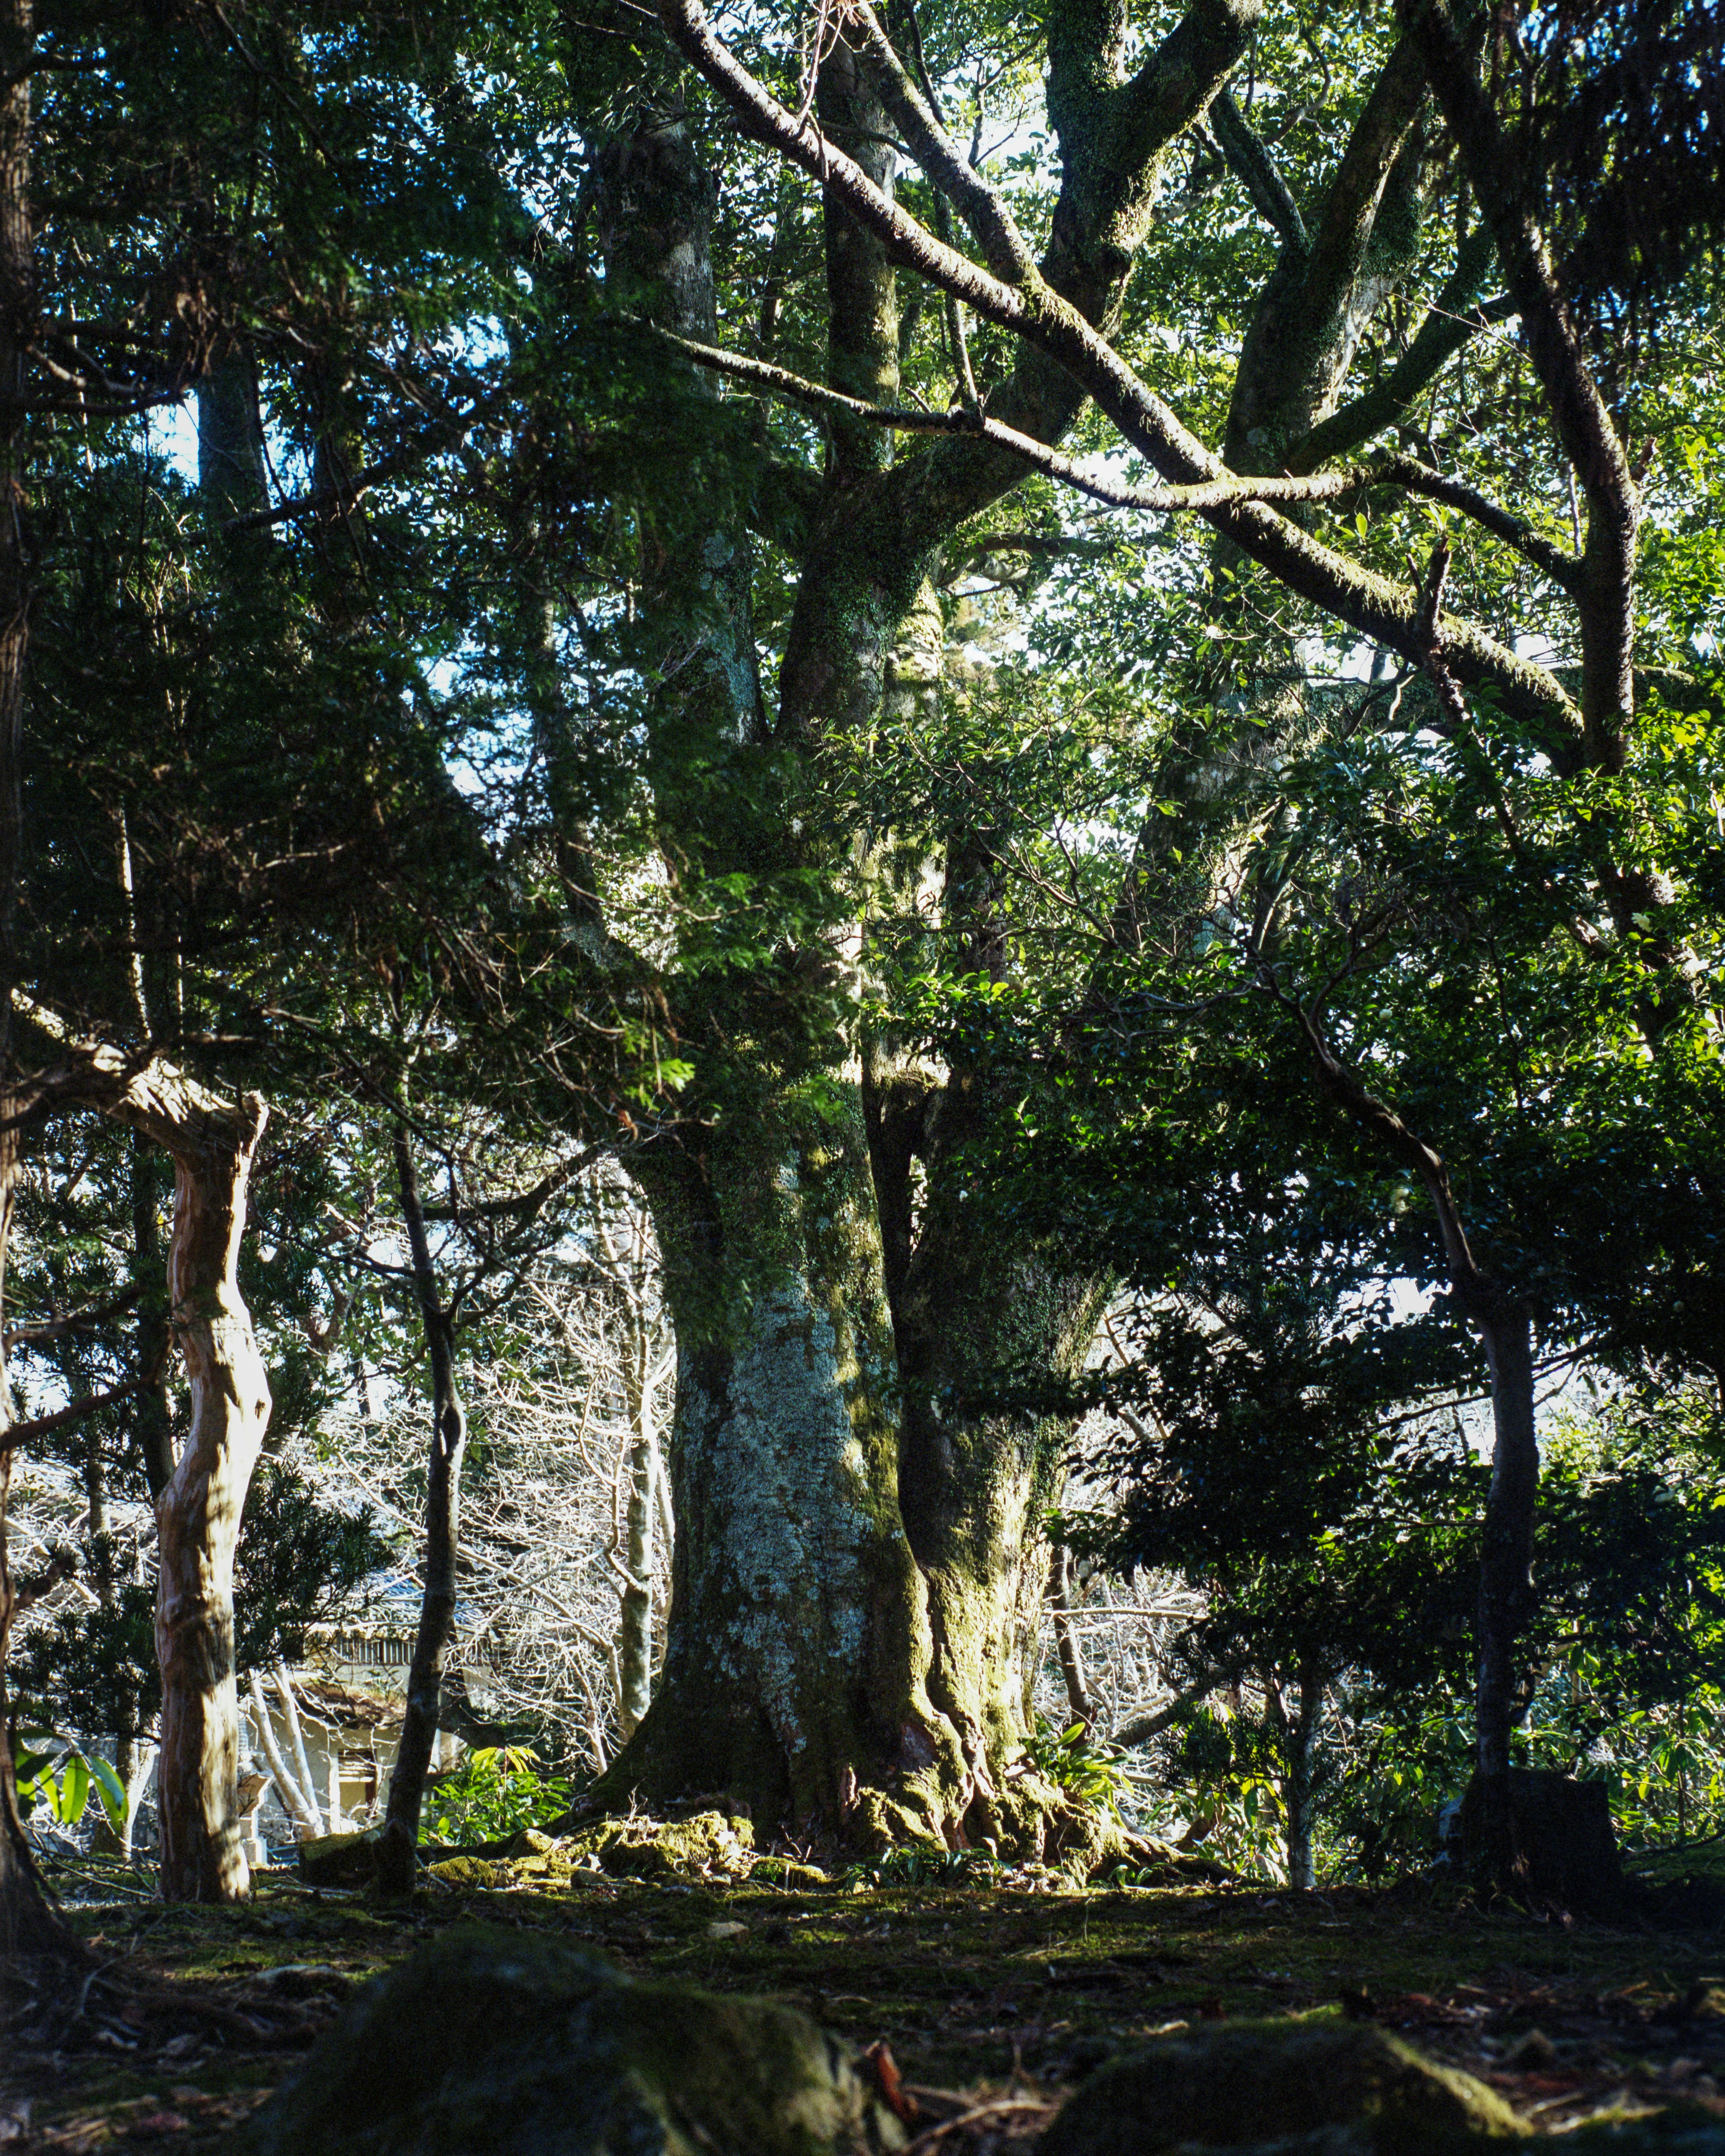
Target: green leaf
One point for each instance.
(112, 1792)
(73, 1792)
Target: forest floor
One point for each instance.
(992, 2000)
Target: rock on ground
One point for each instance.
(499, 2041)
(1350, 2088)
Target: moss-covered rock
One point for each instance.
(1254, 2082)
(525, 2046)
(339, 1859)
(784, 1872)
(470, 1872)
(707, 1845)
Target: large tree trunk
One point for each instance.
(859, 1561)
(797, 1648)
(442, 1538)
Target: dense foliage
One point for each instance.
(400, 739)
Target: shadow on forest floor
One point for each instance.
(991, 1994)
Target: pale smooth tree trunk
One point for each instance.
(211, 1142)
(300, 1802)
(628, 1260)
(296, 1738)
(634, 1624)
(199, 1514)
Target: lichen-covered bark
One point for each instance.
(796, 1647)
(858, 1560)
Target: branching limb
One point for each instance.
(76, 1321)
(1227, 487)
(981, 205)
(1254, 167)
(1585, 426)
(1451, 321)
(1371, 605)
(25, 1432)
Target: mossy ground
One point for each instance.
(974, 1988)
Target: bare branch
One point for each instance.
(26, 1433)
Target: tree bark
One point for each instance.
(1296, 1739)
(396, 1847)
(212, 1143)
(1066, 1640)
(634, 1627)
(230, 437)
(793, 1668)
(859, 1560)
(199, 1514)
(28, 1924)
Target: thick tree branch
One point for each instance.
(1451, 322)
(1371, 605)
(1253, 167)
(1585, 426)
(26, 1433)
(1403, 472)
(977, 202)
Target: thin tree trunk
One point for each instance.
(28, 1924)
(301, 1806)
(1296, 1739)
(104, 1835)
(633, 1657)
(143, 1765)
(443, 1530)
(1506, 1597)
(1059, 1593)
(634, 1627)
(1505, 1326)
(198, 1513)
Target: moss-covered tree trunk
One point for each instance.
(859, 1560)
